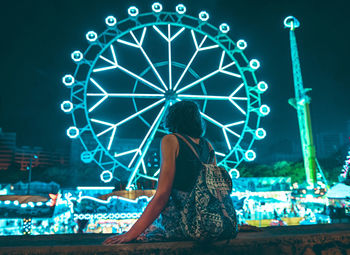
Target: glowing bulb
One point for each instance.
(157, 7)
(264, 109)
(111, 21)
(77, 56)
(260, 133)
(39, 203)
(66, 106)
(91, 36)
(234, 173)
(262, 86)
(86, 157)
(224, 28)
(241, 44)
(133, 11)
(16, 202)
(254, 64)
(68, 80)
(203, 16)
(180, 9)
(72, 132)
(250, 155)
(106, 176)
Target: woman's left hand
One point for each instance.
(124, 238)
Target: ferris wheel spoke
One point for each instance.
(145, 144)
(139, 43)
(126, 95)
(141, 79)
(215, 122)
(192, 58)
(198, 81)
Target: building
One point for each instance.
(10, 154)
(328, 143)
(7, 149)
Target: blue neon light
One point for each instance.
(91, 36)
(67, 106)
(203, 16)
(250, 155)
(241, 44)
(133, 11)
(254, 64)
(224, 28)
(157, 7)
(68, 80)
(111, 21)
(262, 86)
(106, 176)
(180, 9)
(77, 56)
(72, 132)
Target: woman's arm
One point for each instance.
(169, 151)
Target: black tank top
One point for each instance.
(188, 165)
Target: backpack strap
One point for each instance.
(189, 145)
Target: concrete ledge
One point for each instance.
(307, 240)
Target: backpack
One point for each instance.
(208, 213)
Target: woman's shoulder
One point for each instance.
(170, 139)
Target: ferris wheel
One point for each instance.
(133, 71)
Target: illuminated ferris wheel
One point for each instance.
(133, 71)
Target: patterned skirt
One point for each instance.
(167, 226)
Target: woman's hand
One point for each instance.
(124, 238)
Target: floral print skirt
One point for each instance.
(167, 226)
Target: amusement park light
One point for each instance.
(254, 64)
(86, 157)
(260, 133)
(241, 44)
(31, 204)
(16, 202)
(77, 56)
(24, 205)
(133, 11)
(291, 22)
(39, 203)
(66, 106)
(68, 80)
(203, 16)
(111, 21)
(264, 109)
(234, 173)
(224, 28)
(91, 36)
(72, 132)
(180, 9)
(106, 176)
(262, 86)
(250, 155)
(7, 202)
(157, 7)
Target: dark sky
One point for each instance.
(37, 38)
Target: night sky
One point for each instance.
(37, 38)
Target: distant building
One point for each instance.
(7, 149)
(328, 143)
(20, 156)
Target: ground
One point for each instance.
(307, 240)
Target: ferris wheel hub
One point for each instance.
(170, 95)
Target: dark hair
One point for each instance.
(184, 117)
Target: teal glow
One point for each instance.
(7, 202)
(264, 110)
(157, 7)
(39, 203)
(224, 28)
(250, 155)
(262, 86)
(291, 22)
(72, 132)
(254, 64)
(77, 56)
(90, 96)
(68, 80)
(133, 11)
(67, 106)
(24, 205)
(203, 16)
(111, 21)
(180, 9)
(91, 36)
(234, 173)
(260, 133)
(106, 176)
(16, 202)
(241, 44)
(86, 157)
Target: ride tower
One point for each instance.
(301, 103)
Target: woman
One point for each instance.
(179, 170)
